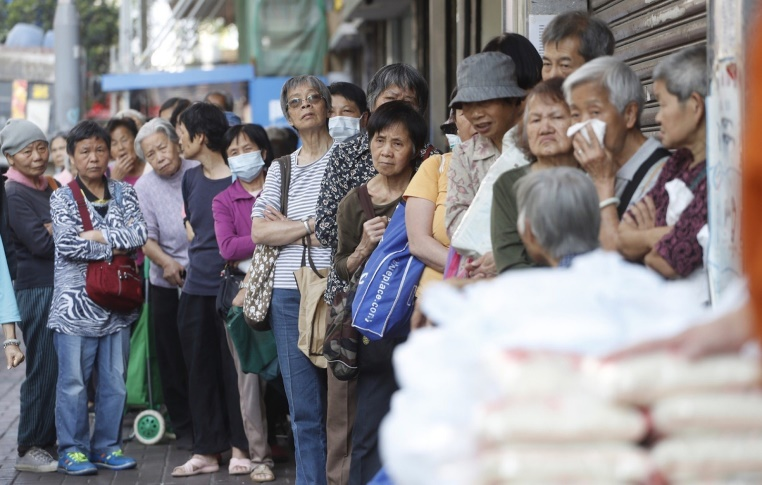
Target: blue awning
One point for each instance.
(188, 77)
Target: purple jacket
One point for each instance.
(232, 222)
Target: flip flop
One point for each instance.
(239, 466)
(195, 466)
(262, 473)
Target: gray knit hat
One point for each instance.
(17, 134)
(485, 76)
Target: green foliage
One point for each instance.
(99, 21)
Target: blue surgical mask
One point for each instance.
(246, 166)
(453, 140)
(343, 127)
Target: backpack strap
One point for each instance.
(285, 181)
(76, 191)
(696, 181)
(640, 174)
(365, 202)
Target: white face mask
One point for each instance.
(343, 127)
(453, 140)
(246, 166)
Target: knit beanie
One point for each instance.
(17, 134)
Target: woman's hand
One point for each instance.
(173, 273)
(48, 227)
(93, 235)
(123, 166)
(595, 159)
(238, 300)
(372, 231)
(13, 356)
(272, 214)
(642, 215)
(483, 267)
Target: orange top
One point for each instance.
(751, 184)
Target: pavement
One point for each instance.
(155, 462)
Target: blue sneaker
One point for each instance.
(113, 461)
(76, 463)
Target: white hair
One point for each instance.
(684, 72)
(156, 125)
(621, 82)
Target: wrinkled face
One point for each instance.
(161, 154)
(392, 150)
(465, 130)
(677, 125)
(562, 58)
(122, 144)
(91, 158)
(242, 144)
(58, 152)
(306, 108)
(492, 118)
(546, 125)
(396, 93)
(591, 100)
(31, 160)
(189, 148)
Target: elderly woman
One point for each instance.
(212, 381)
(672, 248)
(88, 336)
(161, 201)
(546, 119)
(28, 190)
(305, 101)
(492, 111)
(127, 166)
(397, 132)
(58, 158)
(249, 154)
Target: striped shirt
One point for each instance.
(303, 193)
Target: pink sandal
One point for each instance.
(197, 465)
(239, 466)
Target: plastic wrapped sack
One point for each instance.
(709, 413)
(708, 458)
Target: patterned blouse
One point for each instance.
(680, 248)
(72, 312)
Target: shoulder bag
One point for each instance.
(114, 285)
(259, 290)
(313, 310)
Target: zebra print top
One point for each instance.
(72, 312)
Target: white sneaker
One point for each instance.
(36, 460)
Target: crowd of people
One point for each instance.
(194, 192)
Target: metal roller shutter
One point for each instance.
(648, 30)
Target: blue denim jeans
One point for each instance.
(305, 389)
(77, 357)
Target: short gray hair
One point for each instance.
(402, 76)
(621, 82)
(156, 125)
(562, 206)
(131, 113)
(311, 81)
(684, 72)
(595, 36)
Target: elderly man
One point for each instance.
(572, 39)
(559, 217)
(161, 201)
(626, 165)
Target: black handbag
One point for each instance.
(230, 285)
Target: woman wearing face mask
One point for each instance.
(349, 111)
(249, 154)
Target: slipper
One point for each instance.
(195, 466)
(262, 473)
(239, 466)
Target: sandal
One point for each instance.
(262, 473)
(197, 464)
(239, 466)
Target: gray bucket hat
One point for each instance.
(489, 75)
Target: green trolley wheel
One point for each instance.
(149, 427)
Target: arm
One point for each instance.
(133, 234)
(9, 312)
(638, 233)
(332, 190)
(172, 269)
(419, 219)
(30, 229)
(508, 251)
(357, 238)
(67, 227)
(278, 233)
(460, 190)
(233, 246)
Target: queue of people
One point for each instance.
(197, 196)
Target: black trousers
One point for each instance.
(163, 304)
(212, 380)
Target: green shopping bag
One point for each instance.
(256, 349)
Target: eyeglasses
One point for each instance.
(311, 99)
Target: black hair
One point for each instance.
(181, 106)
(449, 127)
(171, 103)
(402, 76)
(126, 123)
(526, 58)
(595, 36)
(204, 118)
(399, 113)
(85, 130)
(352, 92)
(256, 134)
(228, 99)
(283, 140)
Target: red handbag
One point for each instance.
(116, 284)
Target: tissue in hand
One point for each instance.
(599, 128)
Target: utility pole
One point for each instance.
(67, 91)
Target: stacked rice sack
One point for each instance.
(474, 409)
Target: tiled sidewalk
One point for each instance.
(155, 463)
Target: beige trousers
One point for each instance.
(340, 417)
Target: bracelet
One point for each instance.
(610, 201)
(11, 341)
(307, 226)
